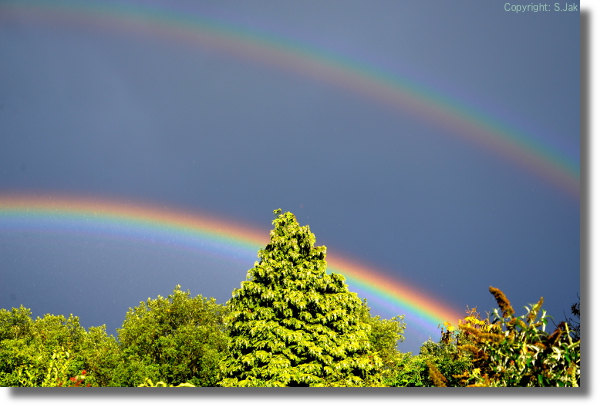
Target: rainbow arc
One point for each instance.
(536, 155)
(206, 235)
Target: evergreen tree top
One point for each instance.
(291, 323)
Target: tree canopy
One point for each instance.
(289, 324)
(177, 339)
(293, 324)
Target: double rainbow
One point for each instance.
(193, 231)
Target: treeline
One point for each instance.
(289, 324)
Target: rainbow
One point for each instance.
(556, 165)
(205, 234)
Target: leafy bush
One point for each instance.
(507, 351)
(516, 351)
(175, 339)
(436, 364)
(44, 352)
(178, 339)
(150, 383)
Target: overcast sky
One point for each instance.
(115, 109)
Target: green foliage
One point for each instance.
(175, 339)
(44, 352)
(101, 356)
(149, 383)
(516, 351)
(509, 351)
(442, 358)
(289, 324)
(384, 335)
(15, 324)
(435, 360)
(574, 322)
(408, 371)
(178, 339)
(448, 359)
(57, 369)
(292, 324)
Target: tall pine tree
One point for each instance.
(292, 324)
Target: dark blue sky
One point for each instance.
(102, 112)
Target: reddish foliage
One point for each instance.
(76, 381)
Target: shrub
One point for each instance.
(516, 351)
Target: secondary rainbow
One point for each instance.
(192, 231)
(537, 155)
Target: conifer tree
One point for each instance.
(293, 324)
